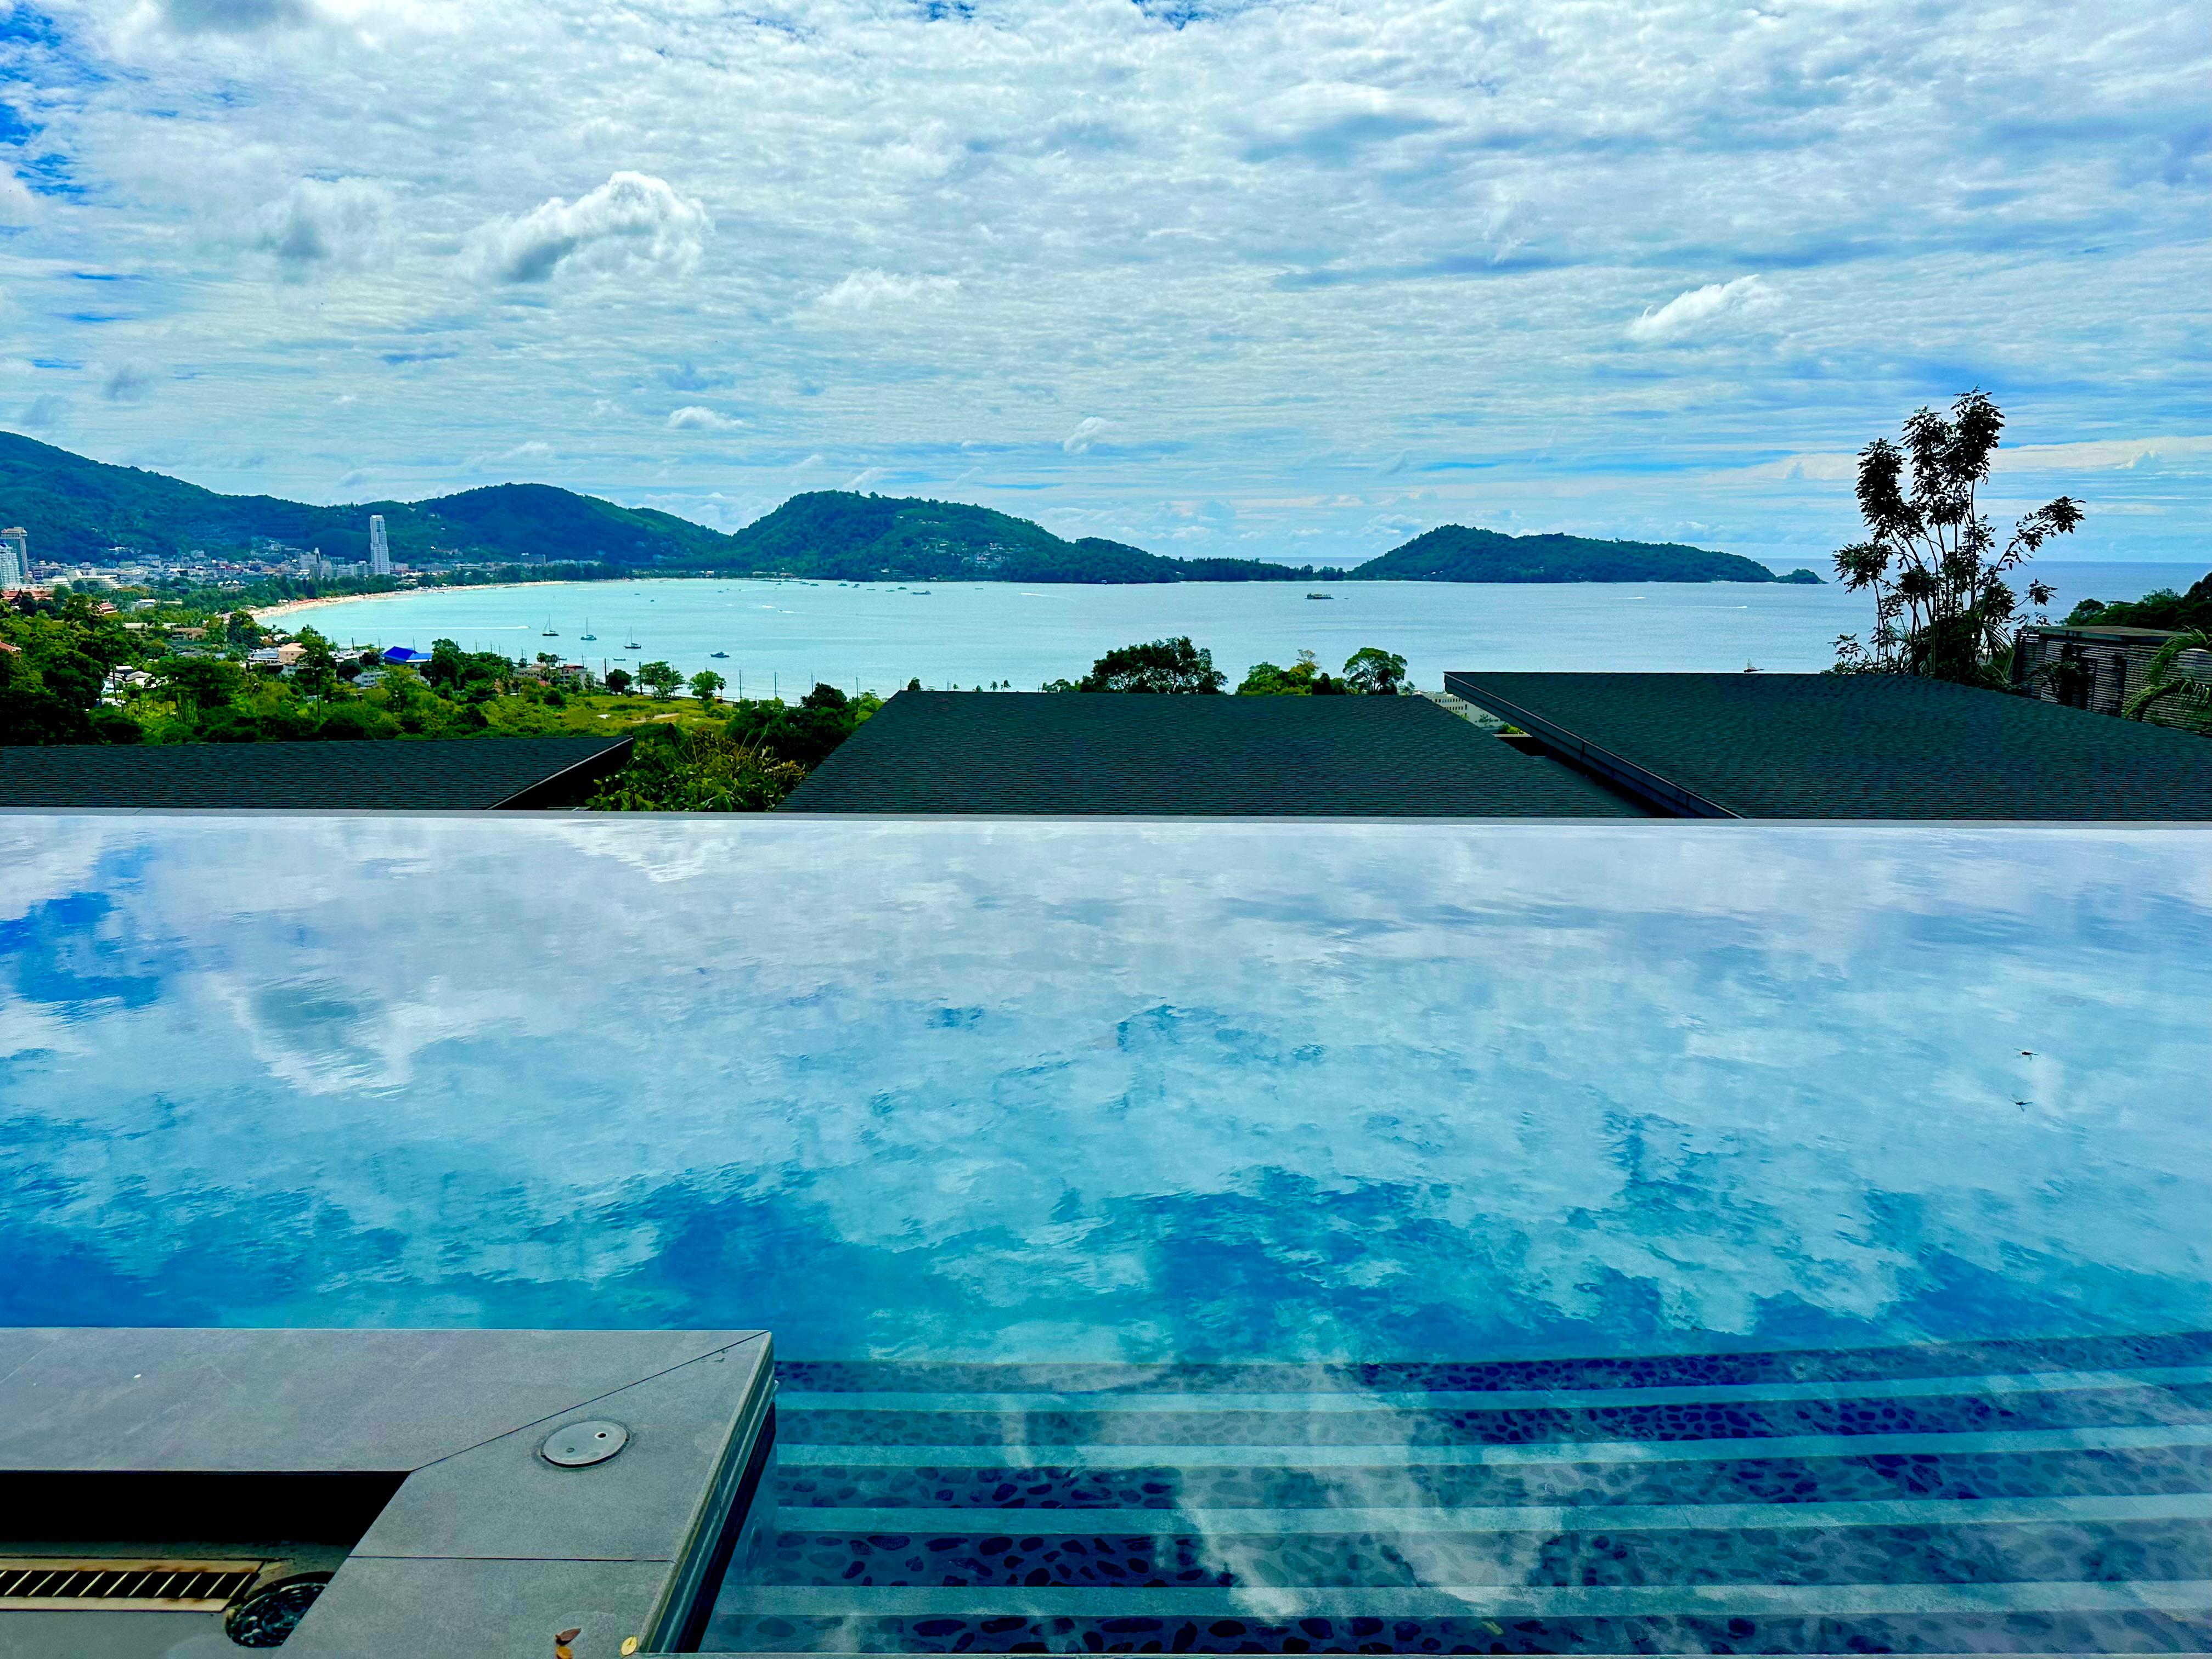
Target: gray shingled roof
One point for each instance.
(1853, 746)
(399, 775)
(1038, 752)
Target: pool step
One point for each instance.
(1922, 1500)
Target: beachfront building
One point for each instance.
(15, 558)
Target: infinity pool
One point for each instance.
(1414, 1221)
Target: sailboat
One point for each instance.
(633, 645)
(588, 632)
(550, 633)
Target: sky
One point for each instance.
(1291, 279)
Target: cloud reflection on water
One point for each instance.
(1088, 1090)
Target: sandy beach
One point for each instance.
(291, 607)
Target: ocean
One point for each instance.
(780, 637)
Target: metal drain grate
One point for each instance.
(169, 1586)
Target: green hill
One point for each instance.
(76, 509)
(1453, 553)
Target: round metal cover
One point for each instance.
(578, 1445)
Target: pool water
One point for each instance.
(1354, 1236)
(2053, 1497)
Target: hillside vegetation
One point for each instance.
(1453, 553)
(76, 509)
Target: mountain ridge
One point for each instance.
(76, 508)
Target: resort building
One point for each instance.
(2101, 669)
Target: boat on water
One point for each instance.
(1320, 596)
(633, 645)
(718, 653)
(551, 632)
(587, 634)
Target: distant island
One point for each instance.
(78, 511)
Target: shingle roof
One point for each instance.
(1041, 753)
(402, 774)
(1853, 746)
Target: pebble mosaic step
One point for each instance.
(1991, 1497)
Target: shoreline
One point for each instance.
(292, 607)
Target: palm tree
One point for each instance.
(2166, 682)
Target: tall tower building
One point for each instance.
(379, 550)
(15, 557)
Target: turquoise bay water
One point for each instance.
(1101, 1091)
(782, 635)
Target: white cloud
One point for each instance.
(1687, 313)
(697, 417)
(126, 382)
(533, 450)
(2102, 454)
(44, 413)
(632, 222)
(1087, 429)
(335, 223)
(866, 479)
(1300, 244)
(232, 16)
(17, 204)
(2097, 455)
(871, 289)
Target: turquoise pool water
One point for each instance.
(1436, 1237)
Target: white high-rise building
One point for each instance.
(15, 557)
(379, 550)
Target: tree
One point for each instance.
(659, 678)
(705, 684)
(1265, 679)
(676, 770)
(2166, 683)
(317, 668)
(445, 663)
(824, 697)
(1162, 666)
(1943, 607)
(1377, 672)
(618, 680)
(242, 630)
(198, 685)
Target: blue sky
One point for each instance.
(1277, 279)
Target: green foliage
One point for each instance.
(467, 674)
(806, 734)
(317, 668)
(2166, 686)
(673, 769)
(1454, 553)
(618, 680)
(1161, 665)
(51, 673)
(1374, 671)
(706, 683)
(1368, 671)
(1303, 678)
(199, 685)
(2162, 608)
(659, 678)
(1943, 607)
